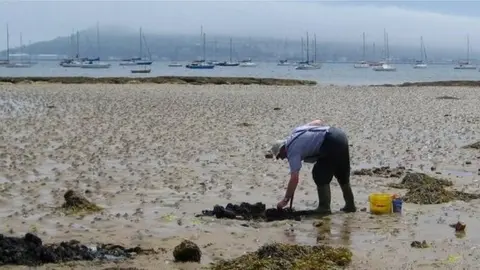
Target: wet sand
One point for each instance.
(155, 155)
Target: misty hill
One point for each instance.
(118, 43)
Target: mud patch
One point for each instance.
(283, 256)
(425, 189)
(385, 172)
(29, 250)
(448, 97)
(257, 211)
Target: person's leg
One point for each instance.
(322, 175)
(342, 170)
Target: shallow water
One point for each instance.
(154, 156)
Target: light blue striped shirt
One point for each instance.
(304, 145)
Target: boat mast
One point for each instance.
(308, 56)
(204, 51)
(78, 45)
(141, 45)
(314, 48)
(468, 49)
(21, 48)
(8, 45)
(302, 50)
(231, 50)
(98, 39)
(363, 55)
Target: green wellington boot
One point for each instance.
(349, 199)
(324, 199)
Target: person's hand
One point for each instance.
(281, 204)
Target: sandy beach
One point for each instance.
(155, 155)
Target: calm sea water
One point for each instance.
(340, 74)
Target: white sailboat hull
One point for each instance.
(72, 64)
(465, 67)
(361, 65)
(249, 64)
(308, 66)
(128, 63)
(384, 67)
(96, 65)
(420, 66)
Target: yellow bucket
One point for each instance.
(380, 203)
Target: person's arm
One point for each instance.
(295, 162)
(292, 186)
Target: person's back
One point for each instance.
(304, 144)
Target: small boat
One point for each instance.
(363, 63)
(71, 63)
(230, 62)
(3, 62)
(421, 64)
(175, 64)
(138, 61)
(146, 70)
(247, 63)
(309, 66)
(200, 65)
(95, 65)
(466, 64)
(385, 67)
(285, 63)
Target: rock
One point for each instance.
(459, 226)
(468, 162)
(30, 250)
(418, 244)
(74, 202)
(257, 211)
(187, 251)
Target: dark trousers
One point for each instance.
(334, 159)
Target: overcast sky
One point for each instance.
(442, 23)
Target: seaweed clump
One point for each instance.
(424, 189)
(385, 172)
(76, 203)
(187, 251)
(475, 145)
(284, 256)
(29, 250)
(257, 211)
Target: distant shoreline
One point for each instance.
(195, 80)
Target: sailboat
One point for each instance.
(95, 63)
(175, 63)
(310, 65)
(7, 58)
(466, 64)
(202, 64)
(145, 63)
(230, 63)
(421, 64)
(77, 62)
(247, 63)
(385, 66)
(138, 60)
(285, 62)
(363, 63)
(20, 64)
